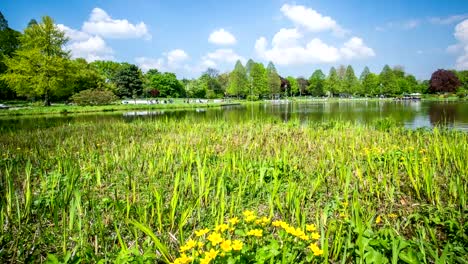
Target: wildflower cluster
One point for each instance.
(242, 240)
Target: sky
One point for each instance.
(186, 37)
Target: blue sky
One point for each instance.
(186, 37)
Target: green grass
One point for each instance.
(126, 192)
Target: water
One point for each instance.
(411, 114)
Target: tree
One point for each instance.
(40, 67)
(388, 82)
(273, 79)
(294, 88)
(370, 84)
(362, 89)
(83, 77)
(211, 79)
(317, 83)
(259, 81)
(196, 89)
(332, 83)
(364, 74)
(238, 82)
(302, 84)
(223, 80)
(350, 82)
(128, 81)
(32, 22)
(9, 43)
(166, 84)
(108, 69)
(443, 81)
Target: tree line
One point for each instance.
(34, 65)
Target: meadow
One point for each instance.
(144, 191)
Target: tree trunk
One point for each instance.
(46, 99)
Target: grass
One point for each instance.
(134, 192)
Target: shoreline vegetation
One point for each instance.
(19, 108)
(143, 192)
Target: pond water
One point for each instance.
(411, 114)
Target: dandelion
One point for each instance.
(378, 220)
(202, 232)
(215, 239)
(255, 232)
(237, 245)
(226, 245)
(311, 228)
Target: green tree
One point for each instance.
(83, 77)
(41, 66)
(165, 83)
(350, 82)
(259, 80)
(293, 88)
(211, 80)
(302, 84)
(9, 43)
(317, 83)
(128, 81)
(362, 90)
(370, 84)
(388, 82)
(196, 88)
(273, 79)
(332, 83)
(238, 82)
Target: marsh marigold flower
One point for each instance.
(226, 245)
(188, 245)
(215, 239)
(202, 232)
(315, 249)
(311, 228)
(315, 235)
(233, 220)
(237, 245)
(378, 220)
(255, 232)
(221, 227)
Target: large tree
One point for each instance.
(128, 81)
(388, 82)
(332, 83)
(9, 43)
(40, 66)
(302, 83)
(443, 81)
(317, 83)
(273, 79)
(238, 82)
(166, 84)
(370, 84)
(293, 88)
(350, 82)
(259, 81)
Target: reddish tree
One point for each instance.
(443, 81)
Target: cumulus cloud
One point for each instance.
(222, 37)
(355, 48)
(222, 56)
(171, 61)
(73, 34)
(310, 19)
(461, 48)
(93, 48)
(283, 52)
(100, 23)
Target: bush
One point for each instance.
(462, 93)
(252, 98)
(93, 97)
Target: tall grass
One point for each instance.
(127, 192)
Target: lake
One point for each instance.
(411, 114)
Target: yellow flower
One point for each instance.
(392, 215)
(277, 223)
(237, 245)
(247, 213)
(188, 245)
(200, 244)
(378, 220)
(183, 259)
(211, 254)
(311, 228)
(265, 220)
(226, 245)
(284, 225)
(315, 235)
(215, 239)
(255, 232)
(234, 220)
(304, 237)
(202, 232)
(221, 227)
(250, 218)
(205, 260)
(317, 251)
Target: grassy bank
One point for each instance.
(137, 191)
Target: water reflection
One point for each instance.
(409, 113)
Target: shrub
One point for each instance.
(93, 97)
(252, 98)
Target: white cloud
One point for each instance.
(447, 20)
(461, 34)
(94, 48)
(411, 24)
(286, 38)
(171, 61)
(223, 55)
(73, 34)
(222, 37)
(315, 51)
(310, 19)
(355, 48)
(100, 23)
